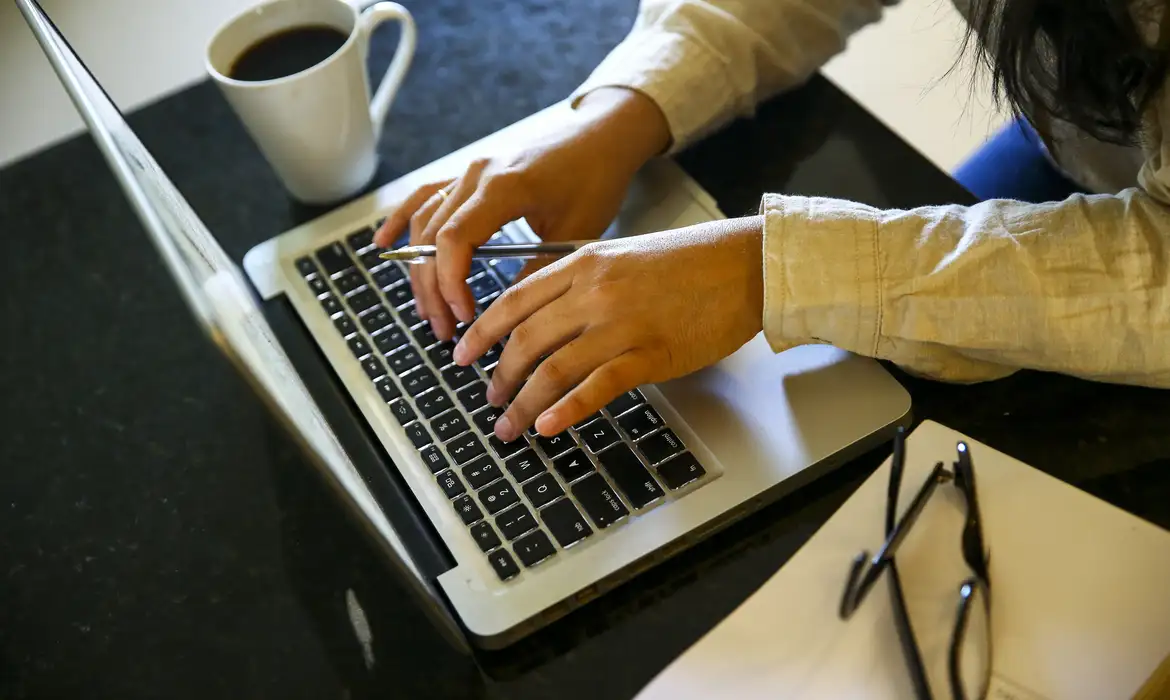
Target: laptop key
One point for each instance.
(599, 435)
(425, 336)
(467, 509)
(390, 338)
(358, 346)
(458, 377)
(556, 445)
(497, 497)
(485, 536)
(403, 360)
(573, 466)
(485, 419)
(625, 402)
(377, 319)
(418, 435)
(543, 490)
(450, 484)
(680, 471)
(565, 522)
(318, 285)
(505, 450)
(373, 367)
(515, 522)
(587, 421)
(481, 471)
(533, 549)
(361, 240)
(334, 258)
(344, 325)
(599, 501)
(349, 281)
(372, 260)
(507, 268)
(397, 296)
(418, 381)
(473, 397)
(450, 424)
(388, 276)
(661, 446)
(524, 466)
(306, 266)
(505, 567)
(363, 301)
(491, 357)
(331, 305)
(433, 402)
(402, 411)
(465, 448)
(484, 286)
(442, 354)
(626, 470)
(410, 316)
(435, 460)
(387, 389)
(641, 422)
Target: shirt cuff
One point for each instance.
(822, 277)
(649, 62)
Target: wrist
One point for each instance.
(628, 125)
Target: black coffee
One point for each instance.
(288, 52)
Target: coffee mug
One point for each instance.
(294, 71)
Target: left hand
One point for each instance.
(618, 314)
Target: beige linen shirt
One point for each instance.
(957, 293)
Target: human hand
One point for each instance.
(567, 183)
(618, 314)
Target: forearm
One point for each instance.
(970, 294)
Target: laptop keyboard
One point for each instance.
(522, 501)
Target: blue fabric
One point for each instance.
(1012, 165)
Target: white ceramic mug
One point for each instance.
(318, 128)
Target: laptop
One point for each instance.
(495, 540)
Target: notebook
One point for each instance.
(1080, 596)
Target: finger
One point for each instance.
(554, 379)
(457, 198)
(515, 305)
(621, 374)
(531, 268)
(541, 335)
(418, 272)
(399, 216)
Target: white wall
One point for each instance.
(138, 49)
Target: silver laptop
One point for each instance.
(496, 539)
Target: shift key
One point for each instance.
(631, 477)
(599, 500)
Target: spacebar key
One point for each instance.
(599, 500)
(631, 477)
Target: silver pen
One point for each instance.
(419, 253)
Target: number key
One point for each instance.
(498, 496)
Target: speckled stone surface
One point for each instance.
(162, 539)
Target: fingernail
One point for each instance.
(546, 422)
(504, 429)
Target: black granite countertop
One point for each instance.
(161, 538)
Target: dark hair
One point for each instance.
(1085, 62)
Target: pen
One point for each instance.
(419, 253)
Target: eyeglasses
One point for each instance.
(969, 660)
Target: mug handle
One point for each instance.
(371, 17)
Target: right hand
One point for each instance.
(568, 184)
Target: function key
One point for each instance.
(599, 501)
(497, 497)
(467, 509)
(400, 295)
(556, 445)
(458, 377)
(358, 346)
(361, 240)
(334, 258)
(573, 466)
(433, 458)
(363, 301)
(388, 276)
(390, 338)
(450, 424)
(450, 484)
(565, 522)
(485, 536)
(626, 470)
(681, 471)
(524, 466)
(481, 471)
(534, 548)
(599, 435)
(377, 319)
(349, 281)
(318, 285)
(465, 448)
(543, 490)
(515, 522)
(625, 402)
(418, 435)
(660, 447)
(641, 422)
(419, 381)
(306, 266)
(503, 564)
(473, 397)
(344, 325)
(505, 450)
(403, 360)
(331, 305)
(402, 411)
(372, 260)
(387, 389)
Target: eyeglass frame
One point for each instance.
(865, 570)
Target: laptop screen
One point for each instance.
(213, 285)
